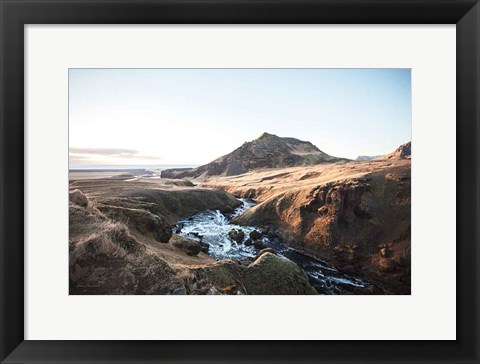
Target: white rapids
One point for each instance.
(212, 227)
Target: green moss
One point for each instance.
(221, 274)
(270, 274)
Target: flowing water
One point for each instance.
(212, 227)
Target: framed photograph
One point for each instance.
(239, 181)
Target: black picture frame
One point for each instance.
(16, 13)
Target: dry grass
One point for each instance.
(264, 184)
(110, 254)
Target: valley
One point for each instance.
(320, 225)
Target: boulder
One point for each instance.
(266, 250)
(248, 242)
(223, 273)
(188, 246)
(271, 234)
(78, 198)
(205, 247)
(258, 244)
(255, 234)
(386, 265)
(161, 234)
(236, 235)
(274, 275)
(197, 235)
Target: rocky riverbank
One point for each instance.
(121, 242)
(354, 215)
(226, 240)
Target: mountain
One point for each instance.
(367, 157)
(267, 151)
(402, 152)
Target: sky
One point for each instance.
(140, 117)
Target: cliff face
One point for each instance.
(268, 151)
(356, 216)
(402, 152)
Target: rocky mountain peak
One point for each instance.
(402, 152)
(266, 135)
(267, 151)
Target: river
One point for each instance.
(212, 227)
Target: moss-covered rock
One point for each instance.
(258, 244)
(271, 274)
(222, 274)
(263, 251)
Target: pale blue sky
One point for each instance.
(192, 116)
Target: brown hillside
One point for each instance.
(268, 151)
(355, 215)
